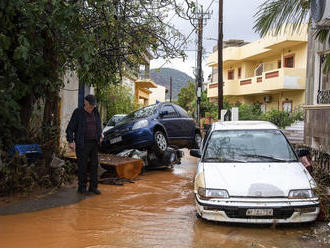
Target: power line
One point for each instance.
(190, 32)
(180, 46)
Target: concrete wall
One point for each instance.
(68, 103)
(317, 116)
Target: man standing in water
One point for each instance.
(84, 135)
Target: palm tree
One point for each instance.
(273, 14)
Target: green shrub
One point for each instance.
(279, 118)
(297, 114)
(249, 112)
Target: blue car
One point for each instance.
(154, 127)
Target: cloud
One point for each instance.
(238, 24)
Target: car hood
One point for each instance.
(107, 128)
(256, 179)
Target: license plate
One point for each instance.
(259, 212)
(115, 140)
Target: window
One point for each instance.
(289, 61)
(323, 95)
(182, 112)
(170, 111)
(325, 78)
(279, 64)
(239, 72)
(230, 74)
(287, 106)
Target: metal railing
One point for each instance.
(323, 97)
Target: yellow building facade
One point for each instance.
(270, 71)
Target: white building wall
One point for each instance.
(69, 102)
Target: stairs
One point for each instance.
(295, 132)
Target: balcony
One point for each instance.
(323, 97)
(278, 80)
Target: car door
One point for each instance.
(187, 124)
(170, 121)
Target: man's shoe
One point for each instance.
(95, 191)
(82, 190)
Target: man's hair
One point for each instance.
(91, 99)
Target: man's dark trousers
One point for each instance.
(85, 155)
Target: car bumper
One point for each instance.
(234, 210)
(136, 139)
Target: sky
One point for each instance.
(238, 24)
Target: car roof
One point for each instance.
(243, 125)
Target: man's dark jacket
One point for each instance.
(76, 127)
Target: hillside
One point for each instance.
(179, 80)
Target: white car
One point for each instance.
(113, 122)
(249, 173)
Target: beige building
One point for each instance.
(157, 94)
(270, 71)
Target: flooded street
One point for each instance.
(155, 211)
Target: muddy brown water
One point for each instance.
(156, 211)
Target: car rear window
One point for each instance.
(248, 146)
(182, 112)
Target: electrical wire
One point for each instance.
(188, 35)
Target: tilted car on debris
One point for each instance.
(115, 120)
(154, 127)
(249, 173)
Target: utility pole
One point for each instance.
(200, 18)
(199, 67)
(220, 74)
(170, 89)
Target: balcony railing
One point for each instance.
(323, 97)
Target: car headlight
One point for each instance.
(301, 194)
(140, 124)
(212, 193)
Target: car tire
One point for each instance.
(197, 140)
(160, 144)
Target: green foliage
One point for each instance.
(279, 118)
(249, 112)
(273, 14)
(41, 39)
(187, 98)
(208, 107)
(297, 115)
(118, 99)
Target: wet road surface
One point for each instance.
(155, 211)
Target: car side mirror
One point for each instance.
(162, 113)
(301, 152)
(195, 153)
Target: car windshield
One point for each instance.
(141, 113)
(115, 120)
(248, 146)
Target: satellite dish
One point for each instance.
(320, 12)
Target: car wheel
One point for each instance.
(197, 140)
(160, 145)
